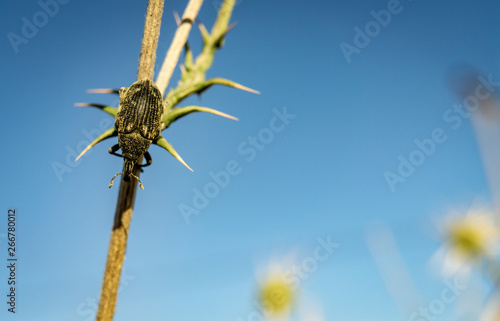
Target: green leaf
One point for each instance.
(188, 57)
(219, 41)
(107, 134)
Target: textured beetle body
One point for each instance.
(138, 123)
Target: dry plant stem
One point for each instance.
(150, 40)
(116, 251)
(180, 38)
(126, 194)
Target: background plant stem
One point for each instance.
(126, 194)
(180, 38)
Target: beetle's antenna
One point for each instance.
(111, 183)
(137, 178)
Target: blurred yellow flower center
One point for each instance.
(276, 295)
(469, 238)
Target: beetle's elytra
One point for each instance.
(138, 123)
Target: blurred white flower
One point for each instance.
(281, 281)
(276, 289)
(468, 239)
(276, 295)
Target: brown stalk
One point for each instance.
(126, 194)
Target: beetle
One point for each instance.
(138, 124)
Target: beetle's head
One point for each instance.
(128, 168)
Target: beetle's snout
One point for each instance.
(128, 169)
(126, 178)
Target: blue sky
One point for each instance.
(319, 176)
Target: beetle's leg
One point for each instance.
(113, 150)
(148, 158)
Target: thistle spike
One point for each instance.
(108, 109)
(102, 91)
(177, 113)
(162, 142)
(177, 18)
(108, 133)
(204, 32)
(230, 83)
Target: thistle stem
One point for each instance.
(150, 40)
(127, 190)
(126, 194)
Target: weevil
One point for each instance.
(138, 124)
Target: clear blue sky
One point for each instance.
(319, 174)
